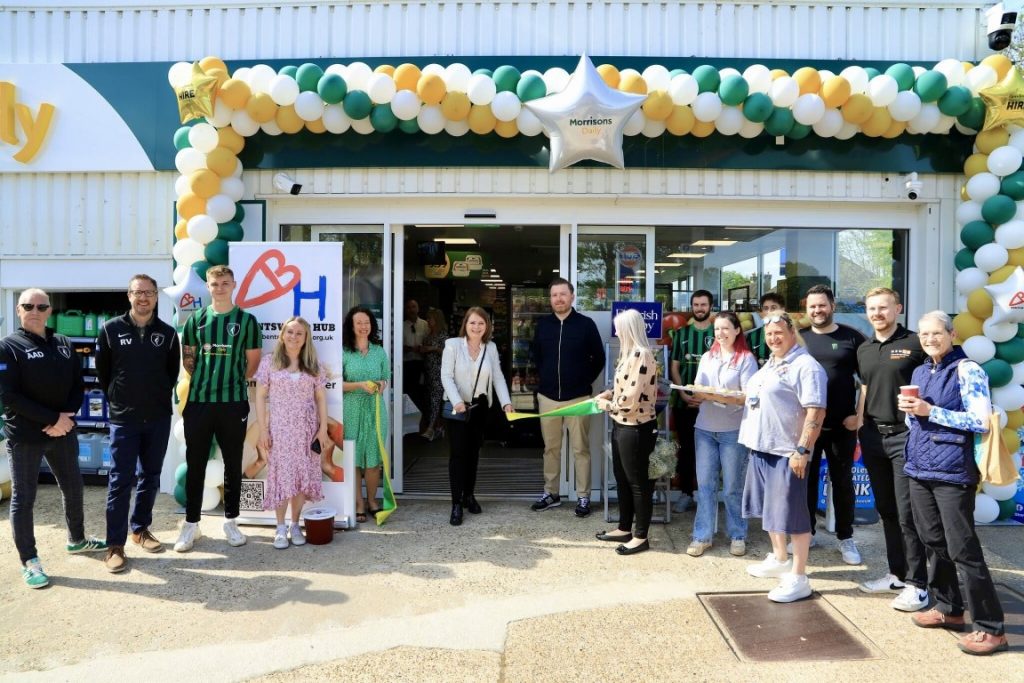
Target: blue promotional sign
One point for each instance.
(650, 311)
(864, 499)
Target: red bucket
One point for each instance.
(319, 525)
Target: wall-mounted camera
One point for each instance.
(1001, 20)
(914, 186)
(285, 183)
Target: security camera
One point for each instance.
(285, 183)
(914, 186)
(1001, 19)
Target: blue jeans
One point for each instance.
(720, 452)
(137, 450)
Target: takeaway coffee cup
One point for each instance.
(910, 390)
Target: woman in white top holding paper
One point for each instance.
(470, 369)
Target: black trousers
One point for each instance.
(464, 439)
(945, 519)
(684, 420)
(412, 372)
(204, 421)
(884, 460)
(837, 445)
(631, 458)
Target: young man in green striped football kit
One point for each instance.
(221, 351)
(771, 304)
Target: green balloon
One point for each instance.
(999, 371)
(998, 209)
(780, 122)
(332, 88)
(200, 267)
(181, 138)
(964, 259)
(290, 70)
(179, 494)
(1011, 351)
(216, 252)
(308, 76)
(677, 72)
(1013, 186)
(758, 107)
(977, 234)
(974, 117)
(484, 72)
(1007, 508)
(383, 119)
(872, 72)
(531, 87)
(707, 78)
(1020, 331)
(506, 78)
(903, 74)
(930, 86)
(239, 214)
(733, 90)
(357, 105)
(230, 231)
(956, 101)
(180, 472)
(798, 132)
(410, 126)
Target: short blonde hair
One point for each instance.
(879, 291)
(219, 271)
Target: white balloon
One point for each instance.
(221, 115)
(728, 71)
(990, 257)
(784, 91)
(729, 121)
(964, 129)
(431, 120)
(336, 120)
(683, 89)
(927, 118)
(857, 77)
(829, 124)
(1004, 492)
(202, 228)
(457, 128)
(986, 509)
(808, 109)
(1001, 332)
(953, 70)
(882, 90)
(211, 498)
(435, 69)
(204, 138)
(244, 124)
(220, 207)
(970, 279)
(1010, 235)
(179, 74)
(1017, 140)
(1018, 373)
(528, 124)
(233, 188)
(283, 90)
(5, 465)
(356, 75)
(260, 77)
(656, 77)
(758, 78)
(653, 129)
(847, 131)
(242, 74)
(751, 129)
(179, 430)
(707, 107)
(825, 74)
(181, 185)
(635, 124)
(906, 106)
(456, 77)
(506, 106)
(271, 127)
(309, 106)
(182, 448)
(339, 69)
(187, 251)
(967, 212)
(556, 78)
(1019, 216)
(980, 77)
(180, 274)
(214, 474)
(1009, 397)
(380, 88)
(189, 160)
(481, 89)
(980, 348)
(405, 105)
(1002, 161)
(1001, 414)
(237, 173)
(629, 74)
(943, 125)
(981, 186)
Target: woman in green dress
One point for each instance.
(365, 373)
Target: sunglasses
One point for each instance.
(43, 308)
(783, 318)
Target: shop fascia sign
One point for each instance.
(15, 115)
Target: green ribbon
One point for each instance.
(581, 409)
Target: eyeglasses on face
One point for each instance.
(43, 308)
(782, 318)
(148, 293)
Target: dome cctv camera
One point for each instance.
(914, 186)
(1001, 20)
(285, 183)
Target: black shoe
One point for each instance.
(456, 518)
(582, 507)
(548, 500)
(473, 507)
(624, 550)
(603, 536)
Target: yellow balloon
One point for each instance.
(261, 107)
(967, 66)
(1016, 257)
(220, 74)
(316, 126)
(231, 139)
(808, 79)
(506, 129)
(975, 164)
(979, 304)
(778, 73)
(221, 161)
(234, 93)
(835, 91)
(988, 141)
(702, 129)
(610, 75)
(966, 326)
(191, 204)
(680, 121)
(895, 130)
(407, 76)
(1000, 275)
(858, 109)
(1000, 62)
(455, 106)
(633, 83)
(204, 183)
(964, 197)
(481, 119)
(430, 88)
(1014, 419)
(385, 69)
(207, 63)
(181, 390)
(288, 121)
(878, 123)
(1011, 439)
(181, 230)
(658, 105)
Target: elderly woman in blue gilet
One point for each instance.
(952, 403)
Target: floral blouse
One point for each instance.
(635, 389)
(974, 393)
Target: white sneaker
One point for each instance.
(683, 503)
(235, 537)
(738, 547)
(791, 588)
(281, 538)
(848, 548)
(911, 599)
(770, 567)
(697, 548)
(190, 533)
(884, 584)
(297, 537)
(814, 544)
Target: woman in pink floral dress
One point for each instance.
(290, 381)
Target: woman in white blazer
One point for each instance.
(464, 357)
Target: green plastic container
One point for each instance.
(71, 323)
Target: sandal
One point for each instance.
(361, 518)
(374, 513)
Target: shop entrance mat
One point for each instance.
(759, 630)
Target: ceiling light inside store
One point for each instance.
(685, 255)
(713, 243)
(668, 264)
(455, 240)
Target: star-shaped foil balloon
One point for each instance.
(196, 98)
(1008, 298)
(585, 120)
(1004, 101)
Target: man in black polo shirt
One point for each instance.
(835, 347)
(885, 362)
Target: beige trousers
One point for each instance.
(553, 429)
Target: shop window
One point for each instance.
(610, 268)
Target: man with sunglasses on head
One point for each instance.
(137, 362)
(41, 389)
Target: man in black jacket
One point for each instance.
(41, 390)
(569, 356)
(137, 363)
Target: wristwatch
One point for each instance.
(803, 451)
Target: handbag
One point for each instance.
(448, 410)
(663, 459)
